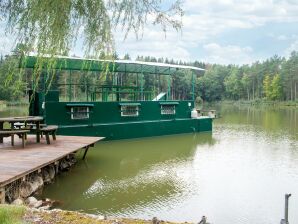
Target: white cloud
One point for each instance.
(6, 41)
(203, 24)
(229, 54)
(6, 45)
(155, 43)
(293, 47)
(204, 21)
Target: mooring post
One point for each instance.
(286, 219)
(287, 207)
(2, 195)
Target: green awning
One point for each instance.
(123, 66)
(169, 103)
(129, 104)
(79, 105)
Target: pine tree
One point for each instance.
(267, 88)
(276, 88)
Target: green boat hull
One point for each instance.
(105, 119)
(127, 130)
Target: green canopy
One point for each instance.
(124, 66)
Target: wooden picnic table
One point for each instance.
(26, 119)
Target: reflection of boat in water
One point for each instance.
(82, 107)
(129, 175)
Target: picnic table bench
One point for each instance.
(49, 130)
(36, 120)
(10, 133)
(21, 126)
(46, 130)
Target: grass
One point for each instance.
(261, 102)
(10, 214)
(70, 217)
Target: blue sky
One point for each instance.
(215, 31)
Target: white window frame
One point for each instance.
(166, 105)
(136, 114)
(79, 118)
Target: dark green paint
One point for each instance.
(105, 120)
(105, 117)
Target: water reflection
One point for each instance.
(125, 177)
(237, 174)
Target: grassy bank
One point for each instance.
(260, 102)
(10, 214)
(23, 102)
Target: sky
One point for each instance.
(215, 31)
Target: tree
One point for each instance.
(52, 27)
(233, 84)
(276, 88)
(246, 83)
(267, 87)
(12, 86)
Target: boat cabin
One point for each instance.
(116, 99)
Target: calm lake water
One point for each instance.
(237, 174)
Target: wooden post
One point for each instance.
(2, 195)
(38, 131)
(48, 137)
(56, 164)
(1, 128)
(12, 139)
(86, 150)
(23, 140)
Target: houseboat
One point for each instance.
(87, 97)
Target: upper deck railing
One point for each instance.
(109, 87)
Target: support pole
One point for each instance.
(193, 87)
(169, 88)
(69, 87)
(86, 150)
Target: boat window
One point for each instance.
(129, 111)
(79, 113)
(168, 109)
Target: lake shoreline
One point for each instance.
(259, 102)
(19, 214)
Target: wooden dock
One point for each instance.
(17, 162)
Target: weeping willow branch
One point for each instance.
(54, 27)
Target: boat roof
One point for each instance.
(125, 66)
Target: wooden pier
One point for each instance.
(17, 162)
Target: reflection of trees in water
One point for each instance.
(271, 119)
(123, 175)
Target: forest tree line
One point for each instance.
(273, 79)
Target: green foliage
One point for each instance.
(276, 88)
(12, 84)
(233, 84)
(273, 88)
(267, 87)
(211, 85)
(10, 214)
(54, 27)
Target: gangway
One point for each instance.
(159, 96)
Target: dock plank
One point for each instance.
(16, 162)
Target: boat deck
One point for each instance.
(17, 162)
